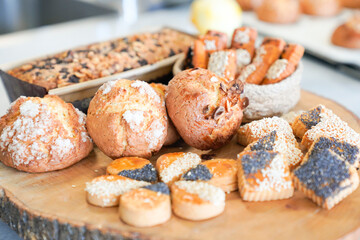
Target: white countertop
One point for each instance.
(318, 77)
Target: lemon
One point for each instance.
(220, 15)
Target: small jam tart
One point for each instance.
(223, 64)
(197, 200)
(104, 191)
(133, 167)
(278, 143)
(325, 178)
(349, 153)
(147, 206)
(264, 176)
(322, 122)
(172, 166)
(221, 173)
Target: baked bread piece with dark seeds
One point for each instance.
(264, 176)
(325, 178)
(133, 167)
(102, 59)
(307, 120)
(348, 152)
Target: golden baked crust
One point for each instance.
(172, 135)
(205, 109)
(43, 134)
(102, 59)
(321, 7)
(351, 3)
(127, 118)
(279, 11)
(348, 34)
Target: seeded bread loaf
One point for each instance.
(102, 59)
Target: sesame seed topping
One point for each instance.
(246, 72)
(242, 36)
(204, 190)
(277, 68)
(218, 62)
(210, 45)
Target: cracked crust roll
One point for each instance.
(264, 176)
(325, 178)
(221, 173)
(279, 11)
(43, 134)
(324, 8)
(105, 191)
(172, 135)
(205, 108)
(146, 206)
(172, 166)
(127, 118)
(133, 167)
(348, 34)
(197, 200)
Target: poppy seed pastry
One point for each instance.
(205, 108)
(133, 167)
(146, 206)
(43, 134)
(127, 118)
(325, 178)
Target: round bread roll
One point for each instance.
(127, 118)
(348, 34)
(351, 3)
(279, 11)
(205, 108)
(325, 8)
(43, 134)
(172, 135)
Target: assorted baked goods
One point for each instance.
(351, 3)
(279, 11)
(321, 7)
(43, 134)
(348, 34)
(127, 118)
(206, 109)
(146, 206)
(102, 59)
(271, 73)
(196, 201)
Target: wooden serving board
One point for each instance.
(53, 206)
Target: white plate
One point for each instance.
(314, 33)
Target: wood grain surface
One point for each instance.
(53, 206)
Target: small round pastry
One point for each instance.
(105, 191)
(279, 11)
(351, 3)
(147, 206)
(205, 108)
(172, 135)
(133, 167)
(127, 118)
(245, 5)
(43, 134)
(325, 8)
(221, 173)
(171, 166)
(197, 200)
(348, 34)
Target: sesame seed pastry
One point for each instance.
(264, 176)
(146, 206)
(197, 200)
(127, 118)
(43, 134)
(105, 190)
(223, 64)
